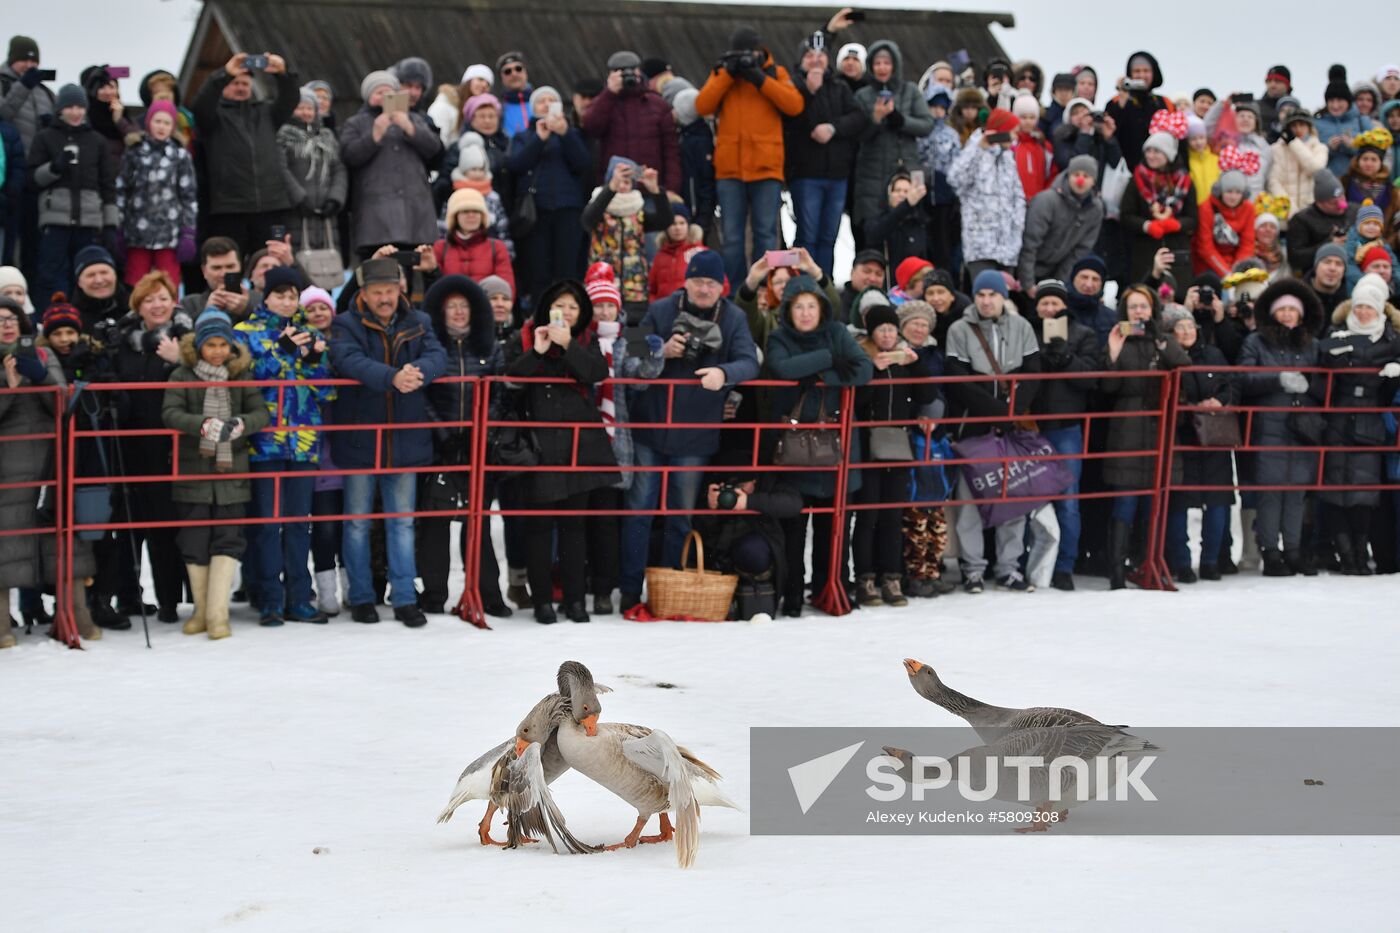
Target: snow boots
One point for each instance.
(219, 586)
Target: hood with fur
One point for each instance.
(481, 333)
(1275, 334)
(897, 75)
(238, 361)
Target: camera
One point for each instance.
(1245, 308)
(152, 338)
(1097, 115)
(728, 497)
(108, 333)
(1131, 85)
(739, 60)
(630, 78)
(1205, 296)
(694, 346)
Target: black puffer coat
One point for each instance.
(1204, 468)
(1142, 394)
(1357, 384)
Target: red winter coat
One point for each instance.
(1219, 258)
(1035, 163)
(476, 258)
(636, 124)
(668, 269)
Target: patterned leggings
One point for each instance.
(925, 540)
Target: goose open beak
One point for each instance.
(912, 667)
(590, 724)
(520, 746)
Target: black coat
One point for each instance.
(242, 160)
(901, 231)
(476, 353)
(775, 500)
(1138, 394)
(1357, 384)
(881, 399)
(1205, 468)
(1079, 353)
(145, 455)
(1142, 247)
(833, 103)
(1310, 228)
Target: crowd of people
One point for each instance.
(630, 230)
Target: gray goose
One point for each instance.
(486, 777)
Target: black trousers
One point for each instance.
(573, 550)
(879, 538)
(211, 537)
(250, 231)
(795, 539)
(150, 502)
(433, 541)
(604, 541)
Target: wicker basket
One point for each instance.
(699, 593)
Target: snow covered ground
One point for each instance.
(185, 788)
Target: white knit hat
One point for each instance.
(1025, 105)
(1076, 102)
(1371, 291)
(852, 48)
(1164, 143)
(478, 71)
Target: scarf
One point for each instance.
(455, 333)
(608, 332)
(216, 405)
(1270, 256)
(1371, 331)
(319, 148)
(1167, 188)
(483, 186)
(626, 205)
(1224, 234)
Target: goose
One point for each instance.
(529, 805)
(646, 768)
(990, 722)
(1083, 741)
(486, 777)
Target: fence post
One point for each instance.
(832, 599)
(64, 619)
(469, 607)
(1154, 574)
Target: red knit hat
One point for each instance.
(1001, 121)
(601, 284)
(904, 272)
(1371, 255)
(61, 314)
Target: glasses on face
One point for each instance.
(8, 319)
(512, 69)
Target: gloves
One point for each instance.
(188, 247)
(1390, 371)
(1287, 134)
(288, 346)
(1340, 349)
(656, 345)
(235, 429)
(61, 161)
(30, 78)
(212, 429)
(1057, 354)
(754, 76)
(31, 367)
(894, 120)
(1293, 383)
(1160, 228)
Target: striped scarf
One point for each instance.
(216, 405)
(608, 332)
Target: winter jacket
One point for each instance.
(554, 169)
(315, 178)
(774, 499)
(749, 138)
(1208, 253)
(636, 123)
(1205, 172)
(620, 240)
(1351, 123)
(644, 365)
(993, 204)
(1060, 230)
(497, 154)
(762, 322)
(1013, 344)
(1354, 271)
(1035, 164)
(156, 194)
(698, 171)
(736, 356)
(1134, 116)
(892, 143)
(824, 362)
(242, 161)
(1134, 212)
(515, 110)
(14, 173)
(1357, 384)
(1274, 346)
(881, 399)
(272, 359)
(476, 257)
(26, 461)
(1078, 353)
(1291, 170)
(182, 410)
(667, 273)
(392, 200)
(1090, 311)
(475, 353)
(136, 361)
(29, 110)
(833, 103)
(1069, 142)
(371, 353)
(1312, 227)
(1207, 467)
(1138, 394)
(84, 194)
(937, 151)
(901, 231)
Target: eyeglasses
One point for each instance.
(8, 319)
(512, 69)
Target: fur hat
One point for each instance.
(917, 309)
(881, 314)
(467, 199)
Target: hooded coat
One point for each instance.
(892, 143)
(475, 353)
(1061, 229)
(1357, 384)
(1138, 394)
(993, 204)
(749, 137)
(1134, 115)
(22, 560)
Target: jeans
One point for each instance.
(681, 492)
(278, 553)
(818, 203)
(325, 536)
(1068, 441)
(398, 492)
(741, 203)
(54, 271)
(1126, 508)
(1213, 521)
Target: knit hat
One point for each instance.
(61, 314)
(479, 71)
(1173, 314)
(10, 275)
(23, 49)
(1387, 71)
(92, 256)
(990, 279)
(1337, 90)
(916, 308)
(471, 153)
(305, 96)
(1371, 291)
(706, 264)
(373, 80)
(651, 67)
(1326, 187)
(467, 199)
(867, 300)
(1092, 262)
(1077, 102)
(601, 284)
(1051, 288)
(1083, 163)
(213, 323)
(939, 277)
(543, 91)
(1282, 73)
(1164, 143)
(1025, 105)
(1062, 80)
(70, 95)
(852, 49)
(1328, 251)
(281, 277)
(1298, 115)
(495, 285)
(319, 85)
(167, 108)
(684, 105)
(314, 294)
(1195, 126)
(1376, 253)
(745, 37)
(1267, 217)
(680, 209)
(1001, 121)
(1368, 211)
(474, 104)
(881, 314)
(672, 89)
(506, 58)
(1233, 180)
(909, 269)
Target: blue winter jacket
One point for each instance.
(364, 350)
(554, 168)
(736, 355)
(1329, 126)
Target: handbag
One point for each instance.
(1022, 479)
(324, 266)
(1216, 429)
(1307, 426)
(890, 442)
(808, 447)
(524, 214)
(1116, 179)
(931, 483)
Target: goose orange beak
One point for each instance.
(520, 746)
(913, 667)
(590, 724)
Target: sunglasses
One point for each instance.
(512, 69)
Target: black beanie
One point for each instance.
(23, 49)
(1337, 73)
(745, 37)
(880, 314)
(1337, 90)
(651, 67)
(1281, 72)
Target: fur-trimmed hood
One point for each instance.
(481, 334)
(238, 361)
(1392, 314)
(1273, 333)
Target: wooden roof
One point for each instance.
(342, 40)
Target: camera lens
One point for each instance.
(727, 499)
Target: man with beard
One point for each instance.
(630, 120)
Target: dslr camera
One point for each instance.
(694, 346)
(737, 60)
(1205, 296)
(152, 338)
(630, 77)
(108, 333)
(728, 497)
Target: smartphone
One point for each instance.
(999, 138)
(407, 257)
(117, 71)
(233, 281)
(886, 95)
(395, 102)
(916, 178)
(856, 16)
(1054, 328)
(276, 232)
(782, 258)
(48, 74)
(556, 316)
(556, 109)
(1132, 328)
(255, 63)
(734, 399)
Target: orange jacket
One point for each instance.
(749, 140)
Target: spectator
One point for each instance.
(1159, 207)
(216, 425)
(1298, 155)
(76, 179)
(898, 119)
(821, 142)
(970, 111)
(1278, 84)
(385, 153)
(749, 94)
(1338, 125)
(1367, 178)
(1086, 83)
(445, 112)
(28, 106)
(726, 357)
(482, 116)
(1085, 132)
(986, 325)
(101, 296)
(993, 205)
(1326, 220)
(468, 249)
(157, 199)
(550, 159)
(473, 170)
(328, 493)
(1201, 161)
(218, 259)
(1078, 351)
(868, 271)
(937, 151)
(477, 79)
(1062, 225)
(667, 273)
(14, 287)
(1245, 138)
(697, 147)
(515, 93)
(314, 175)
(925, 527)
(243, 164)
(558, 343)
(760, 296)
(1035, 157)
(1288, 317)
(1268, 244)
(631, 120)
(1225, 232)
(1365, 97)
(415, 76)
(391, 351)
(850, 61)
(947, 302)
(1061, 93)
(747, 538)
(1133, 107)
(617, 219)
(901, 229)
(105, 111)
(1086, 305)
(325, 100)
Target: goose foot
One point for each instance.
(632, 838)
(1041, 823)
(666, 834)
(483, 829)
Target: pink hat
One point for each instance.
(474, 104)
(313, 294)
(161, 106)
(601, 284)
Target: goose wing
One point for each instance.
(657, 753)
(532, 810)
(476, 780)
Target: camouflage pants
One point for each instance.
(925, 540)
